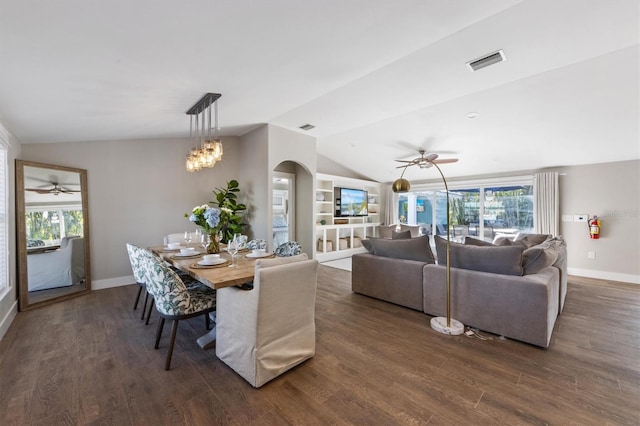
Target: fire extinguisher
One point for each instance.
(594, 228)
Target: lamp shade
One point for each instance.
(401, 185)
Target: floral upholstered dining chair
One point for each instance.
(173, 299)
(290, 248)
(137, 268)
(256, 244)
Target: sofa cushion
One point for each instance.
(498, 260)
(368, 245)
(500, 241)
(411, 249)
(403, 235)
(530, 240)
(539, 257)
(386, 231)
(471, 241)
(503, 241)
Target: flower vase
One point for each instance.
(214, 244)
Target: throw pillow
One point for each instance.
(498, 260)
(404, 235)
(503, 241)
(539, 257)
(411, 249)
(530, 240)
(470, 241)
(368, 245)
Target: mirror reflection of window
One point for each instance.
(53, 237)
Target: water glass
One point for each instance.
(205, 239)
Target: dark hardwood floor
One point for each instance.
(90, 360)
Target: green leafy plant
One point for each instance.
(227, 200)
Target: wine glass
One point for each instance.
(232, 248)
(187, 237)
(197, 235)
(205, 239)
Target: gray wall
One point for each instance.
(612, 192)
(252, 160)
(138, 191)
(286, 145)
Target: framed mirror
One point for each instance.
(52, 218)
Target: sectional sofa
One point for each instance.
(514, 289)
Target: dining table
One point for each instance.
(214, 276)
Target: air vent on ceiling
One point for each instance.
(485, 61)
(307, 126)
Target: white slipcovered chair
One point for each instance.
(57, 268)
(266, 331)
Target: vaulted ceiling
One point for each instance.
(378, 79)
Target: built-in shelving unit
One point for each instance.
(339, 237)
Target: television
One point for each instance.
(351, 202)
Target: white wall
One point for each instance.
(139, 191)
(9, 295)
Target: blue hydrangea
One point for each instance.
(212, 216)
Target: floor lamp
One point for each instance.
(444, 325)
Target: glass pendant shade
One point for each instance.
(208, 150)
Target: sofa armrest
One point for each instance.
(520, 307)
(397, 281)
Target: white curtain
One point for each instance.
(389, 206)
(546, 202)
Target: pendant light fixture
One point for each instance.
(207, 150)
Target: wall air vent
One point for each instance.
(307, 126)
(485, 61)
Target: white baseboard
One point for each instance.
(8, 319)
(603, 275)
(112, 282)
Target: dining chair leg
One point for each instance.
(159, 331)
(153, 301)
(174, 331)
(144, 307)
(135, 305)
(207, 323)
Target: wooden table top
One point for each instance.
(216, 277)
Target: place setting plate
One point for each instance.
(170, 250)
(207, 265)
(258, 255)
(180, 256)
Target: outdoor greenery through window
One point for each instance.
(483, 211)
(48, 227)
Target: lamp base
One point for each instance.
(439, 324)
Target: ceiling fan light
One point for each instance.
(401, 185)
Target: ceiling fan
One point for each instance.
(425, 161)
(56, 190)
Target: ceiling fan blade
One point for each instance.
(405, 161)
(445, 161)
(39, 191)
